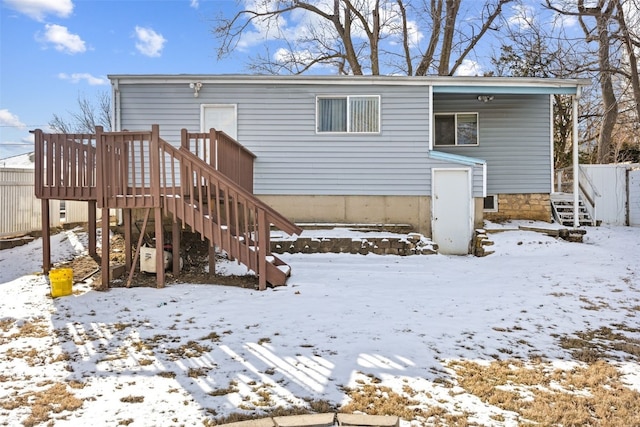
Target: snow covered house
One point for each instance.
(438, 153)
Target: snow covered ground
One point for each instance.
(188, 352)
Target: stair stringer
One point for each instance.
(245, 236)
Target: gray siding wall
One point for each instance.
(514, 140)
(277, 123)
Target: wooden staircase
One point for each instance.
(230, 217)
(563, 212)
(206, 184)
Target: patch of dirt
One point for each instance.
(195, 255)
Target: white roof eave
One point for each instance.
(441, 84)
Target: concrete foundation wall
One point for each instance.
(413, 210)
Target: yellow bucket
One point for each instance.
(61, 282)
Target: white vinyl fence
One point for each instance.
(634, 197)
(21, 211)
(619, 188)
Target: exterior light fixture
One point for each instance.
(485, 98)
(196, 88)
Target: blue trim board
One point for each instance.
(507, 90)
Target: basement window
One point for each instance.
(490, 203)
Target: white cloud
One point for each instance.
(149, 42)
(566, 21)
(38, 9)
(300, 25)
(63, 40)
(195, 4)
(469, 68)
(78, 77)
(523, 16)
(7, 118)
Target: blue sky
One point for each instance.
(52, 51)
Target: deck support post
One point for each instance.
(106, 248)
(212, 257)
(263, 248)
(128, 245)
(92, 228)
(46, 236)
(175, 246)
(159, 247)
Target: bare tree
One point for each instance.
(612, 26)
(531, 49)
(89, 115)
(361, 36)
(629, 35)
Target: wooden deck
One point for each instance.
(205, 184)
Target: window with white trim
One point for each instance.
(452, 129)
(348, 114)
(490, 203)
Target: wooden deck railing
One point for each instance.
(65, 166)
(207, 184)
(128, 169)
(224, 153)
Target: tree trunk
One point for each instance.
(609, 101)
(451, 12)
(374, 38)
(633, 59)
(427, 58)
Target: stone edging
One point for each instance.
(412, 244)
(322, 420)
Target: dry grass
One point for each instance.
(132, 399)
(314, 407)
(201, 371)
(373, 399)
(588, 395)
(53, 400)
(35, 328)
(603, 343)
(231, 388)
(190, 349)
(213, 336)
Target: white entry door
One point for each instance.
(452, 213)
(220, 117)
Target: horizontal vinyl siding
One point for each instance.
(170, 106)
(514, 140)
(277, 123)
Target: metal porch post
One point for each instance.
(576, 161)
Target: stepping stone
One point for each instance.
(362, 420)
(310, 420)
(262, 422)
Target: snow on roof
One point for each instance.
(21, 161)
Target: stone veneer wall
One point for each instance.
(522, 206)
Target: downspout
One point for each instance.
(115, 127)
(431, 117)
(576, 161)
(115, 106)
